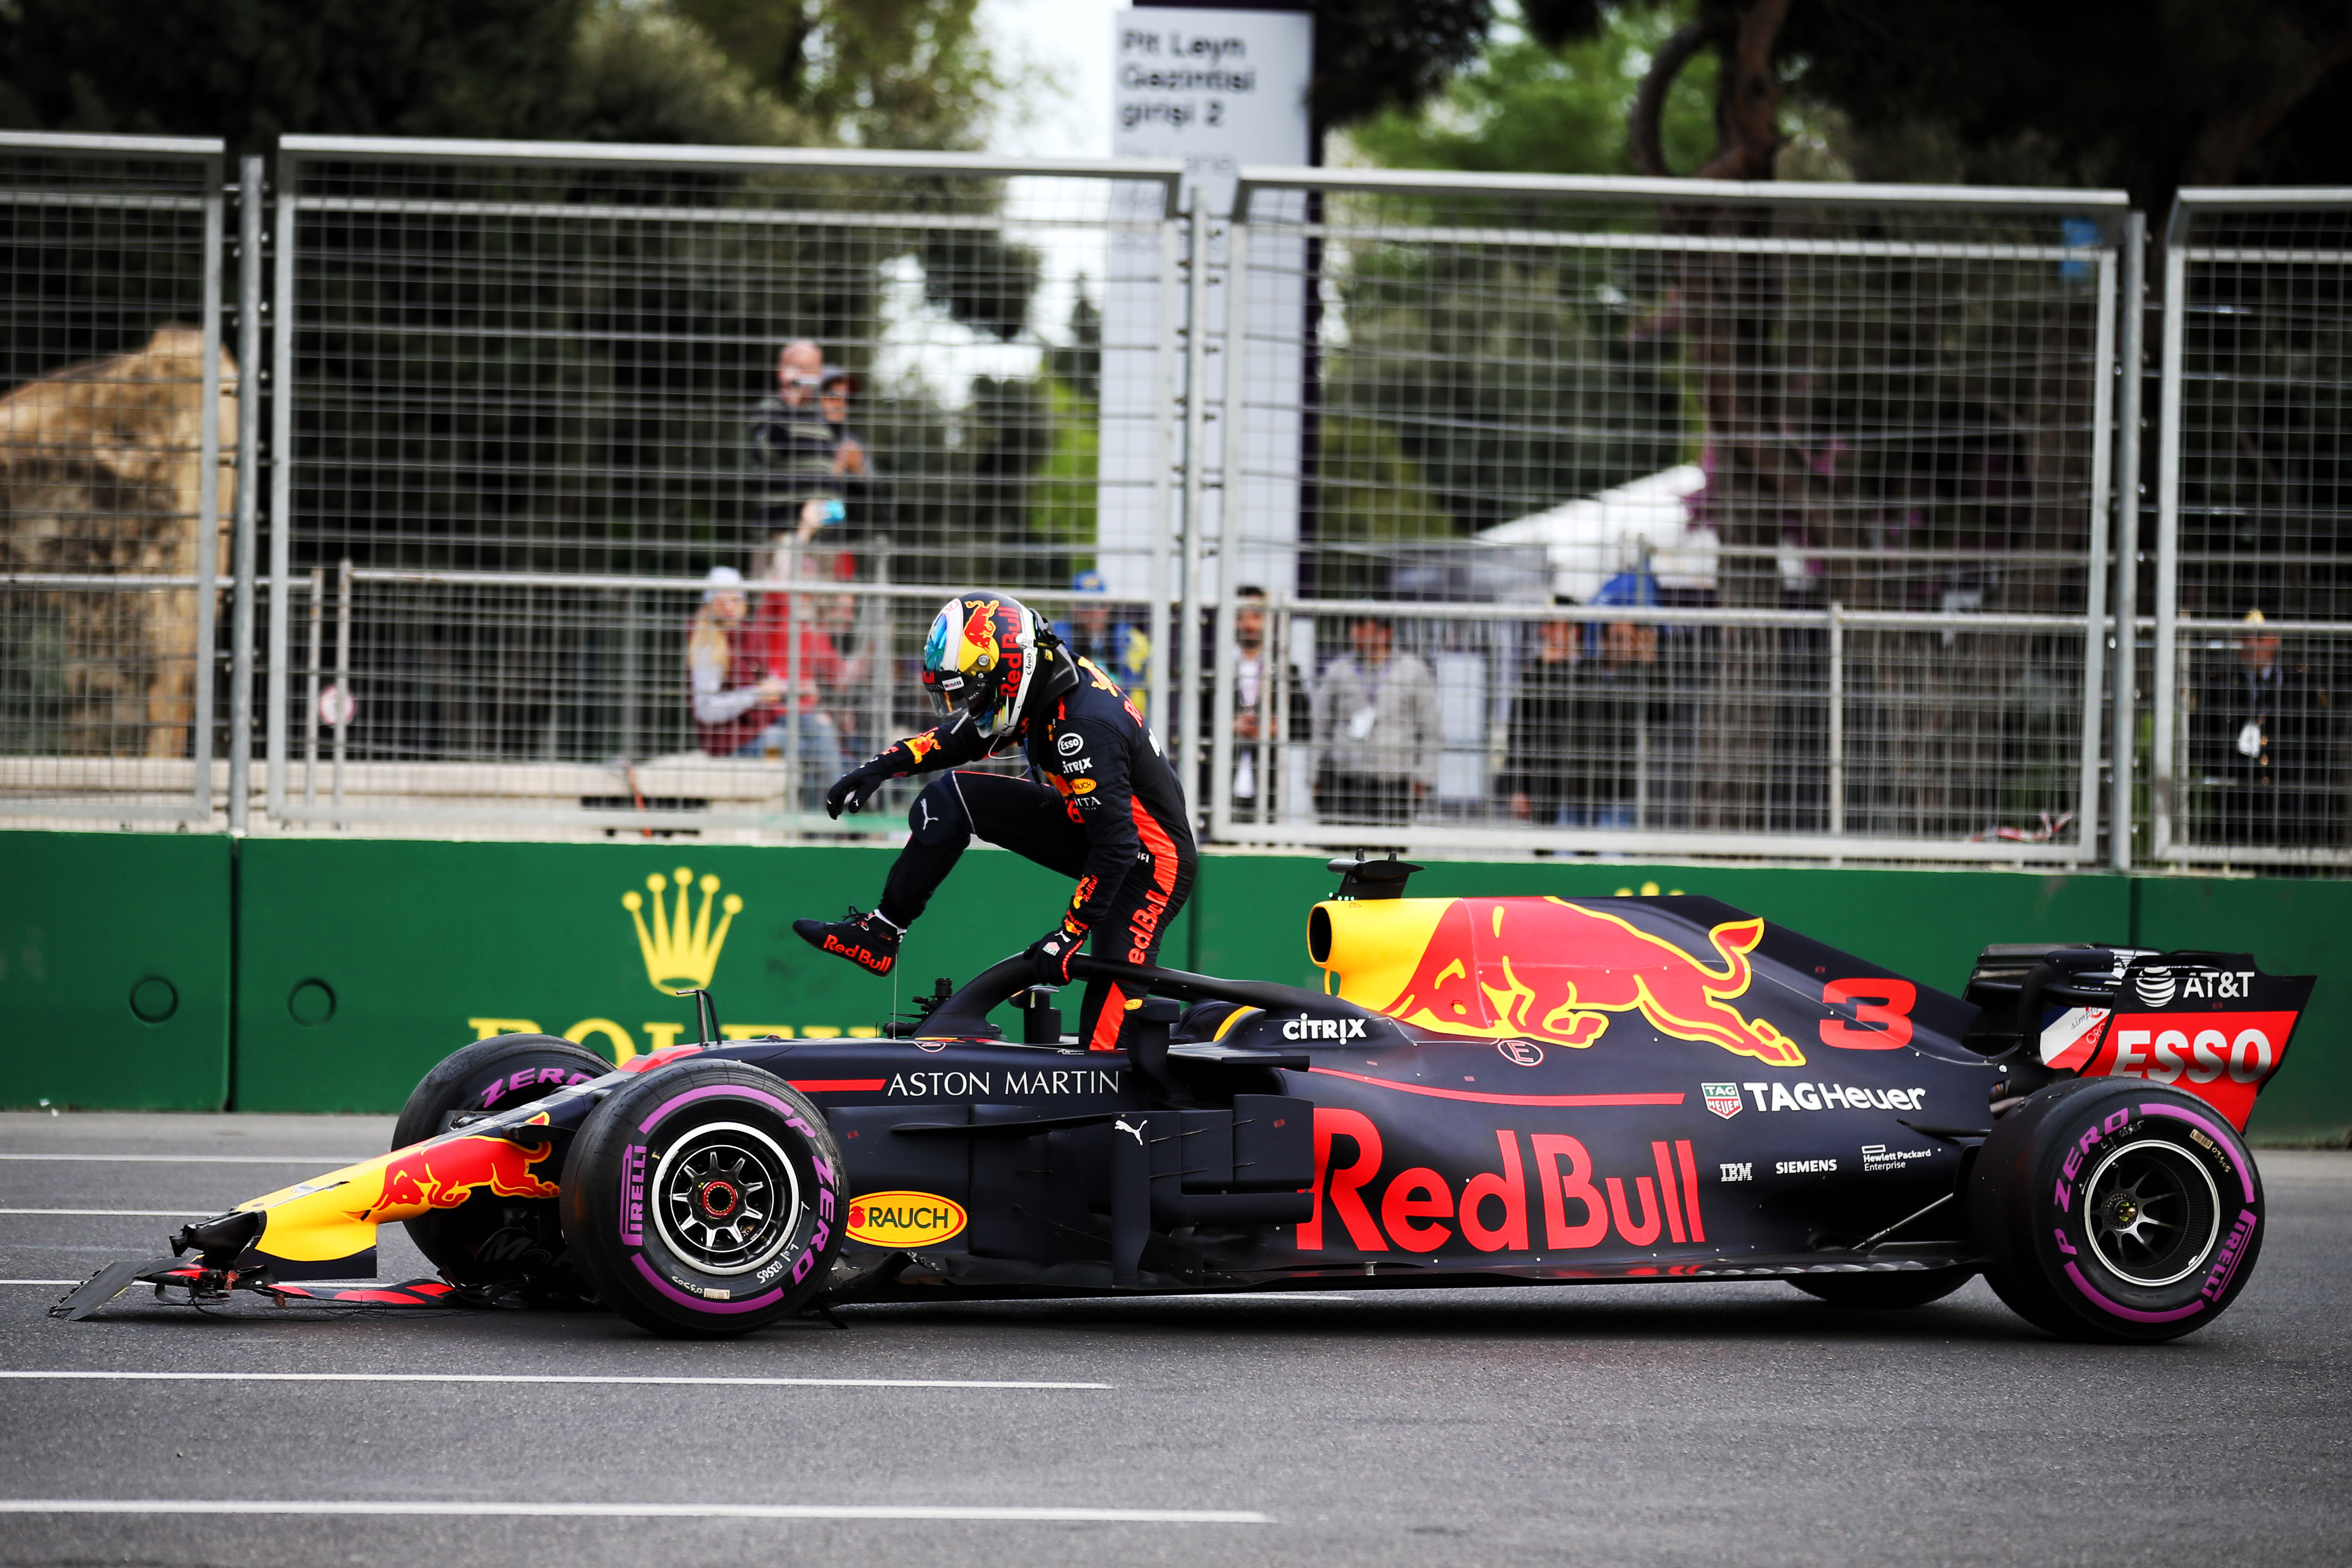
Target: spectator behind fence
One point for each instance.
(733, 696)
(1096, 630)
(834, 389)
(2263, 739)
(824, 677)
(1616, 697)
(1538, 763)
(796, 453)
(1375, 717)
(1259, 737)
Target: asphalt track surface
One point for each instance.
(1720, 1424)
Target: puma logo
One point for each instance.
(1135, 1132)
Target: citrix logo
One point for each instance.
(1305, 1029)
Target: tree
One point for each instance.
(1376, 55)
(913, 74)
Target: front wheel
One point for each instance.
(489, 1240)
(2114, 1209)
(703, 1200)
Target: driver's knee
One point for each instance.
(938, 816)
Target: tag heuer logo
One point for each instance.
(1723, 1099)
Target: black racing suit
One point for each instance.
(1110, 813)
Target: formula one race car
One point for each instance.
(1507, 1090)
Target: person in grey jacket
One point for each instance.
(1376, 725)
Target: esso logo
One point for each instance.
(1525, 1053)
(1069, 745)
(2178, 1055)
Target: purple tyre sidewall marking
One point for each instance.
(2221, 1268)
(636, 1158)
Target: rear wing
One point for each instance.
(2209, 1024)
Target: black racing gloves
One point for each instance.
(1049, 956)
(853, 789)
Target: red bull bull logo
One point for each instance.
(443, 1175)
(1554, 971)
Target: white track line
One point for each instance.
(39, 1281)
(132, 1214)
(640, 1511)
(112, 1376)
(324, 1162)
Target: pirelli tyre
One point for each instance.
(703, 1200)
(491, 1240)
(2116, 1209)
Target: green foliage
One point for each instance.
(648, 75)
(1061, 508)
(250, 70)
(895, 73)
(913, 74)
(1527, 109)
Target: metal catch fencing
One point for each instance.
(1821, 476)
(2252, 655)
(1641, 518)
(117, 429)
(564, 426)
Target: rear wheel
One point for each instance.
(701, 1201)
(1890, 1289)
(491, 1240)
(2113, 1209)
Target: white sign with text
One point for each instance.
(1219, 90)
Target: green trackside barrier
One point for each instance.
(114, 969)
(366, 961)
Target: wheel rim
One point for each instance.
(2154, 1213)
(725, 1198)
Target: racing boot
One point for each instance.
(869, 941)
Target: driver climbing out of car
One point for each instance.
(1108, 813)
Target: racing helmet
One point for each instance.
(985, 656)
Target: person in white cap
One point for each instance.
(730, 713)
(2263, 738)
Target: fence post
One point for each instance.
(317, 605)
(1229, 542)
(2167, 538)
(342, 678)
(281, 492)
(1837, 720)
(200, 748)
(2095, 585)
(1169, 369)
(2126, 743)
(248, 470)
(1184, 634)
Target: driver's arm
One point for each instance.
(949, 745)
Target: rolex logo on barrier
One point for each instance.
(680, 951)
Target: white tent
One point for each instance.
(1591, 540)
